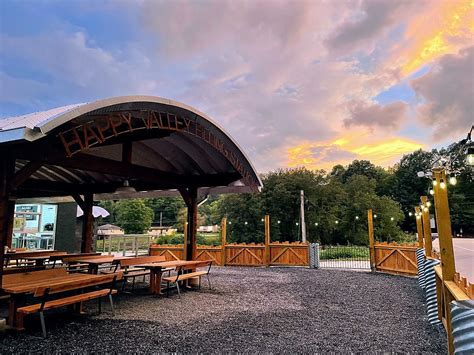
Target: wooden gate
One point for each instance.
(395, 258)
(289, 254)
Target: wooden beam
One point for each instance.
(24, 173)
(79, 201)
(87, 224)
(7, 169)
(190, 198)
(370, 224)
(11, 221)
(425, 213)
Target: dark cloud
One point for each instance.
(372, 115)
(448, 94)
(360, 32)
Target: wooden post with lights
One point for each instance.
(267, 240)
(419, 227)
(445, 245)
(370, 223)
(425, 213)
(223, 239)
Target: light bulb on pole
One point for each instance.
(452, 180)
(442, 184)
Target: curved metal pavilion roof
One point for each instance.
(158, 145)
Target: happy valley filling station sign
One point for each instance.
(102, 128)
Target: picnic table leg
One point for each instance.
(14, 320)
(158, 282)
(152, 281)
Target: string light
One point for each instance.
(442, 184)
(297, 224)
(375, 216)
(392, 218)
(428, 203)
(452, 180)
(418, 217)
(357, 217)
(230, 222)
(410, 214)
(278, 221)
(246, 222)
(426, 209)
(431, 192)
(316, 224)
(262, 220)
(337, 222)
(435, 182)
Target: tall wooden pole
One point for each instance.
(267, 240)
(419, 226)
(303, 223)
(425, 213)
(223, 239)
(370, 224)
(87, 223)
(448, 266)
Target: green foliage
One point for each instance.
(169, 208)
(209, 239)
(341, 252)
(133, 215)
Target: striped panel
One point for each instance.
(420, 260)
(430, 289)
(462, 321)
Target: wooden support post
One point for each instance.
(267, 240)
(445, 245)
(370, 224)
(87, 223)
(223, 239)
(190, 198)
(7, 168)
(425, 213)
(11, 222)
(419, 226)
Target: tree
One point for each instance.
(133, 215)
(169, 208)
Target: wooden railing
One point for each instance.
(282, 254)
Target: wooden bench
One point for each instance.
(131, 272)
(63, 258)
(183, 274)
(47, 302)
(74, 262)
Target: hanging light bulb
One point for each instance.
(435, 182)
(453, 181)
(392, 218)
(422, 206)
(418, 217)
(246, 223)
(431, 192)
(337, 222)
(428, 203)
(230, 222)
(442, 184)
(278, 221)
(426, 209)
(297, 224)
(262, 220)
(470, 156)
(357, 217)
(375, 216)
(410, 214)
(316, 224)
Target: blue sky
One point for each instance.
(296, 83)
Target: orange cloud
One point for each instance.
(444, 29)
(343, 150)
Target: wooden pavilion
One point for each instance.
(121, 147)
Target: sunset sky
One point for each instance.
(296, 83)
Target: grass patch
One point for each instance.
(344, 252)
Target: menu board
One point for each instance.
(28, 208)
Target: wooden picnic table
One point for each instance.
(96, 261)
(39, 260)
(18, 286)
(156, 271)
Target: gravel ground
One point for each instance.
(278, 310)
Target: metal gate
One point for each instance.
(343, 257)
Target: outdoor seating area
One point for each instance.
(251, 310)
(58, 279)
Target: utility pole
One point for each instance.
(161, 219)
(303, 225)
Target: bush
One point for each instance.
(342, 252)
(202, 239)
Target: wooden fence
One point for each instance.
(395, 258)
(281, 254)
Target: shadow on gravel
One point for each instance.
(252, 310)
